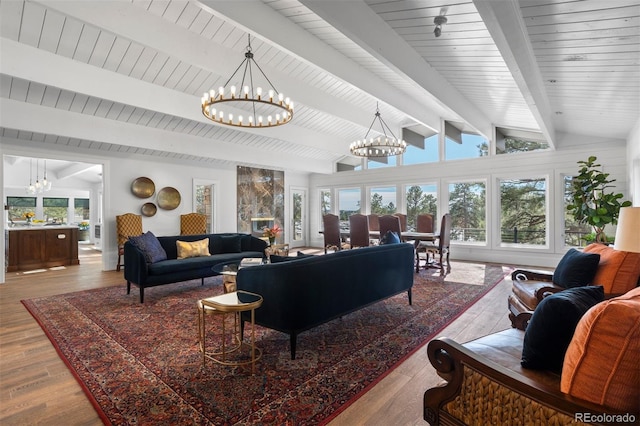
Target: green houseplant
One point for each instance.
(591, 204)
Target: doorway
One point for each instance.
(298, 217)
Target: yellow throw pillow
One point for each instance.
(193, 249)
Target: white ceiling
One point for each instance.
(127, 76)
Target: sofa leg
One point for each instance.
(141, 294)
(128, 287)
(409, 294)
(202, 281)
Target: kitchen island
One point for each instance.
(34, 247)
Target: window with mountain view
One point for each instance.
(523, 206)
(467, 205)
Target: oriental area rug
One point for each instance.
(141, 364)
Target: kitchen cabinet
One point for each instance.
(41, 247)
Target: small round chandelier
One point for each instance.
(254, 108)
(382, 146)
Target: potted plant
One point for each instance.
(591, 203)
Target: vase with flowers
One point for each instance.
(29, 217)
(271, 233)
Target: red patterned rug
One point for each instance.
(140, 363)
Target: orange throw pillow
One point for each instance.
(618, 271)
(602, 363)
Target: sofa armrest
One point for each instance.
(531, 275)
(480, 391)
(135, 265)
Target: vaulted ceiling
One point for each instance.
(127, 76)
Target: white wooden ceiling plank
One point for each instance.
(173, 10)
(568, 9)
(584, 36)
(154, 68)
(50, 97)
(196, 85)
(103, 108)
(79, 102)
(18, 89)
(155, 120)
(200, 21)
(102, 49)
(65, 100)
(116, 54)
(145, 118)
(143, 63)
(35, 93)
(130, 58)
(177, 75)
(86, 43)
(90, 106)
(125, 114)
(31, 24)
(165, 73)
(51, 31)
(212, 26)
(10, 19)
(608, 27)
(158, 7)
(135, 116)
(115, 111)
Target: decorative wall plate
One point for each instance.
(148, 209)
(168, 198)
(143, 187)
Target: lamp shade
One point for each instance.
(628, 230)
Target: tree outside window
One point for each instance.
(19, 206)
(383, 200)
(523, 217)
(55, 209)
(421, 199)
(467, 205)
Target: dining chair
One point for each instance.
(331, 233)
(374, 224)
(193, 224)
(358, 230)
(403, 221)
(424, 222)
(389, 223)
(441, 247)
(127, 225)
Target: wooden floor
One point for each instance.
(36, 387)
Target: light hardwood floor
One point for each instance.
(36, 387)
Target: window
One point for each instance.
(460, 144)
(81, 210)
(383, 200)
(325, 205)
(574, 232)
(421, 199)
(467, 206)
(18, 206)
(55, 209)
(513, 140)
(204, 202)
(427, 153)
(523, 218)
(379, 162)
(348, 204)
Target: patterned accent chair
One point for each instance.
(127, 225)
(193, 224)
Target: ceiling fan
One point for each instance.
(440, 20)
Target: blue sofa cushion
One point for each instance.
(231, 243)
(552, 326)
(390, 238)
(576, 269)
(150, 247)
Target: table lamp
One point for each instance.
(628, 230)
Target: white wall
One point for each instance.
(118, 174)
(633, 163)
(550, 164)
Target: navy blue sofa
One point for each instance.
(309, 291)
(224, 247)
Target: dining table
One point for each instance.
(406, 236)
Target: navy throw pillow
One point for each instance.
(274, 258)
(390, 238)
(301, 255)
(150, 247)
(231, 243)
(552, 326)
(576, 269)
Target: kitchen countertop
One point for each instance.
(34, 227)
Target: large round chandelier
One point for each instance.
(381, 146)
(246, 105)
